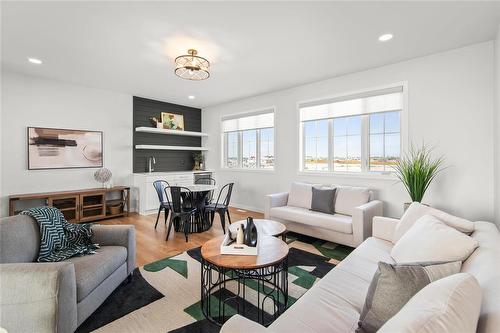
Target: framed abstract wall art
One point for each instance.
(54, 148)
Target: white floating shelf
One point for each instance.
(159, 147)
(168, 131)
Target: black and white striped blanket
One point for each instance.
(60, 240)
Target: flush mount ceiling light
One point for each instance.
(192, 67)
(191, 97)
(385, 37)
(35, 61)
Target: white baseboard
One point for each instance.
(246, 207)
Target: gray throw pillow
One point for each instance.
(323, 199)
(393, 286)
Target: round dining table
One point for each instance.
(200, 192)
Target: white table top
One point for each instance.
(265, 227)
(200, 187)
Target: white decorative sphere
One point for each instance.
(102, 175)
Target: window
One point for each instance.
(249, 141)
(354, 134)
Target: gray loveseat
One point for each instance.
(58, 297)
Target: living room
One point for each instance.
(250, 166)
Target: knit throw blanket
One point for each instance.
(60, 240)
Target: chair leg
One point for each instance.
(212, 217)
(222, 220)
(228, 216)
(186, 227)
(171, 221)
(166, 215)
(158, 216)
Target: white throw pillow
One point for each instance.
(430, 239)
(350, 197)
(417, 210)
(451, 304)
(300, 195)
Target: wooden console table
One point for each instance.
(80, 205)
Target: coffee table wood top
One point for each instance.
(264, 227)
(271, 251)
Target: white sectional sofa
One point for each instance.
(350, 225)
(334, 304)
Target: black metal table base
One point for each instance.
(200, 222)
(259, 294)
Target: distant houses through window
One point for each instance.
(248, 140)
(352, 134)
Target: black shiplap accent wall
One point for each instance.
(166, 160)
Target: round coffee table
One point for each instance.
(264, 227)
(248, 285)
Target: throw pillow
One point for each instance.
(350, 197)
(393, 285)
(300, 195)
(452, 304)
(430, 239)
(323, 199)
(417, 210)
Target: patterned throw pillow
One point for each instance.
(394, 285)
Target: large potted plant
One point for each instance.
(416, 170)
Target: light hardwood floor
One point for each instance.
(151, 243)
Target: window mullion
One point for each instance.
(365, 143)
(257, 149)
(240, 149)
(330, 144)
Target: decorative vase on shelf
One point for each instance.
(250, 238)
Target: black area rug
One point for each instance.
(128, 297)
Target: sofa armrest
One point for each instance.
(240, 324)
(275, 200)
(118, 235)
(362, 220)
(38, 297)
(384, 227)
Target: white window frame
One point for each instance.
(365, 136)
(224, 145)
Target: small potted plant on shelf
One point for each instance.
(416, 170)
(198, 160)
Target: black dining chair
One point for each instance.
(160, 186)
(182, 208)
(221, 206)
(207, 181)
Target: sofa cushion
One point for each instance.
(451, 304)
(430, 239)
(417, 210)
(300, 195)
(349, 197)
(335, 302)
(394, 285)
(336, 222)
(92, 270)
(323, 199)
(19, 239)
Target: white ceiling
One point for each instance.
(254, 47)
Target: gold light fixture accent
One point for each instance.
(192, 67)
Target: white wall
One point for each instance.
(450, 106)
(30, 101)
(496, 128)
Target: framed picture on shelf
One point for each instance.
(172, 121)
(54, 148)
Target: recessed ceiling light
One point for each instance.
(35, 61)
(191, 97)
(385, 37)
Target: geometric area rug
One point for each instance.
(164, 296)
